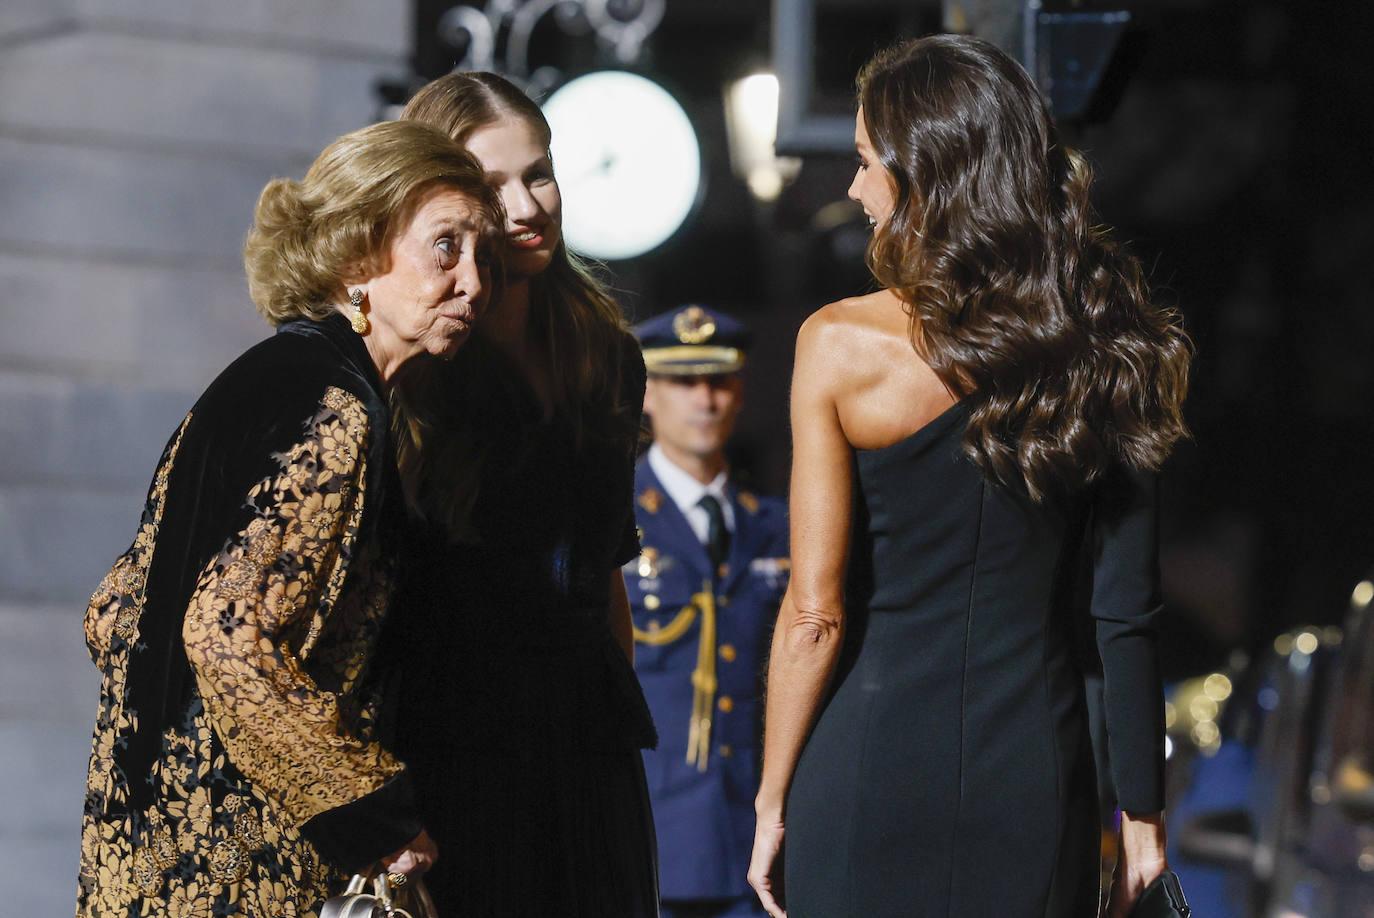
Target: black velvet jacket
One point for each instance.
(236, 767)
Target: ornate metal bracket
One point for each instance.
(497, 36)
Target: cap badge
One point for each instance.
(694, 325)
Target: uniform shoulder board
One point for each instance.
(749, 502)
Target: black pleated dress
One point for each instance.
(950, 773)
(520, 718)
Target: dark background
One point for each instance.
(1235, 160)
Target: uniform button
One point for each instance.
(653, 624)
(722, 600)
(651, 602)
(726, 704)
(726, 751)
(728, 653)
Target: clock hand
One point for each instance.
(603, 167)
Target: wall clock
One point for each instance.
(628, 163)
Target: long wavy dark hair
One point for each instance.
(1018, 301)
(579, 326)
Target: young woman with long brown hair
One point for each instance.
(525, 720)
(967, 442)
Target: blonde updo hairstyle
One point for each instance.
(309, 236)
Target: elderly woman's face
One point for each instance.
(517, 164)
(438, 278)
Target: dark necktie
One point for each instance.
(717, 536)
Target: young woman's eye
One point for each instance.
(862, 164)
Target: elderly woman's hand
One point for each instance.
(418, 855)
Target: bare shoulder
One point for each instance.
(857, 354)
(839, 333)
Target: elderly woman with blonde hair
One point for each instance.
(238, 764)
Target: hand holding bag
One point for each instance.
(389, 898)
(1163, 898)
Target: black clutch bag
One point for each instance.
(1162, 899)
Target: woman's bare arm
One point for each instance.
(810, 626)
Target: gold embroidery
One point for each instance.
(248, 830)
(255, 690)
(694, 325)
(126, 620)
(228, 861)
(296, 565)
(147, 876)
(121, 589)
(164, 848)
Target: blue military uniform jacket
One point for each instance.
(700, 646)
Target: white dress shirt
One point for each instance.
(687, 492)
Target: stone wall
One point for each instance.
(134, 139)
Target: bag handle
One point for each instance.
(357, 903)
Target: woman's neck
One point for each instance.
(388, 352)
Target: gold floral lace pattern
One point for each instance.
(115, 606)
(111, 626)
(278, 633)
(281, 576)
(199, 858)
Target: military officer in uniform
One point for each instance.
(704, 593)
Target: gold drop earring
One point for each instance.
(359, 319)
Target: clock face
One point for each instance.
(628, 163)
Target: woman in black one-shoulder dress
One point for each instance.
(972, 444)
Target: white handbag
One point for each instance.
(409, 899)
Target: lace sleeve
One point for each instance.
(117, 602)
(264, 598)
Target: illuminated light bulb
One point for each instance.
(757, 96)
(1203, 709)
(1364, 592)
(765, 183)
(1206, 734)
(751, 123)
(1217, 687)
